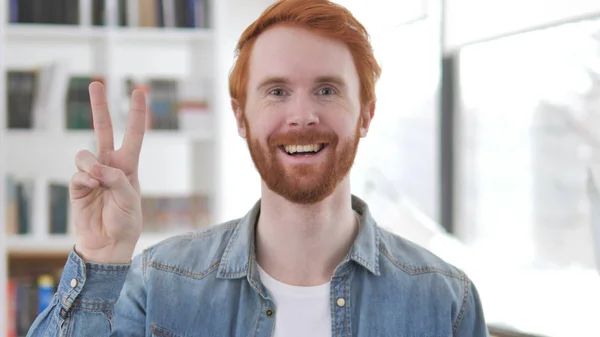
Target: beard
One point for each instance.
(304, 183)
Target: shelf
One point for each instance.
(158, 34)
(172, 163)
(25, 245)
(181, 156)
(18, 135)
(15, 136)
(20, 31)
(19, 245)
(191, 135)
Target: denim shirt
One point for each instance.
(206, 283)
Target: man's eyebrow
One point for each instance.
(331, 79)
(271, 80)
(274, 80)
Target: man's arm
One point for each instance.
(471, 321)
(95, 300)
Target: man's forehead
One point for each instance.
(296, 54)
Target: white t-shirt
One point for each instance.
(301, 311)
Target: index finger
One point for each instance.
(101, 116)
(136, 124)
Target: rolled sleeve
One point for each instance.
(90, 286)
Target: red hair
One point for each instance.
(321, 16)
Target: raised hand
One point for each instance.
(105, 192)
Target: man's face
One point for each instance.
(302, 119)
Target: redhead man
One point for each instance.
(307, 260)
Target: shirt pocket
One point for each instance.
(159, 331)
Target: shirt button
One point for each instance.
(341, 302)
(73, 283)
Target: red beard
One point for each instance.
(304, 184)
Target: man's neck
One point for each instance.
(303, 244)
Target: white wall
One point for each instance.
(468, 21)
(237, 182)
(382, 15)
(399, 157)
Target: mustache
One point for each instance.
(302, 138)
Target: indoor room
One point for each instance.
(469, 204)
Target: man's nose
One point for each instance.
(302, 113)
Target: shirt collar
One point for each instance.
(239, 259)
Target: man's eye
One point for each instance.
(277, 92)
(326, 91)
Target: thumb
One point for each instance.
(116, 180)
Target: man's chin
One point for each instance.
(305, 196)
(301, 189)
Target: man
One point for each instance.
(307, 260)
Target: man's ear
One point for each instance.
(239, 118)
(366, 116)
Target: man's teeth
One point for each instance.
(291, 149)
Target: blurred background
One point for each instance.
(485, 147)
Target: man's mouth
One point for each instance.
(306, 150)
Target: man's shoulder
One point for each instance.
(430, 282)
(192, 253)
(413, 259)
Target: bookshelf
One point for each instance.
(3, 240)
(181, 159)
